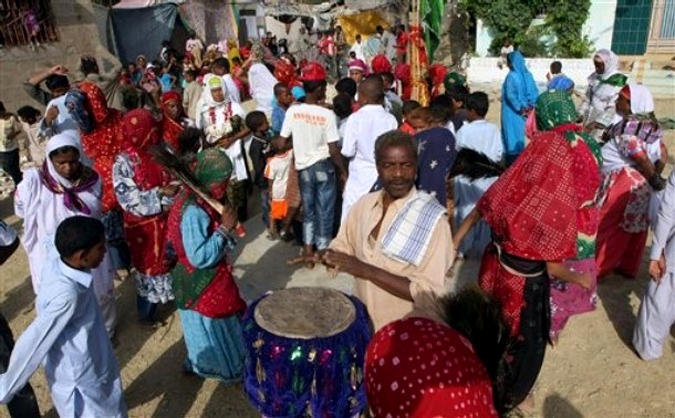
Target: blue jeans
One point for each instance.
(265, 205)
(318, 188)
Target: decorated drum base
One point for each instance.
(306, 349)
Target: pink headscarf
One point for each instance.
(358, 65)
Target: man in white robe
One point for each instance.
(358, 145)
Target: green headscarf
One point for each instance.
(213, 166)
(453, 79)
(554, 108)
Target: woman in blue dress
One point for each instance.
(519, 94)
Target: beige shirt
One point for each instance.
(427, 281)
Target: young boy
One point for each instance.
(277, 173)
(284, 100)
(657, 312)
(557, 80)
(408, 107)
(68, 332)
(458, 95)
(24, 404)
(191, 94)
(36, 142)
(258, 152)
(483, 137)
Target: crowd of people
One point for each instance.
(371, 183)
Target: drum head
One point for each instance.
(305, 312)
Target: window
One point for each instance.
(27, 22)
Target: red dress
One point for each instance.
(104, 143)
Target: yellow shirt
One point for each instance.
(427, 281)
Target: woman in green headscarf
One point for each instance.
(207, 297)
(556, 115)
(453, 79)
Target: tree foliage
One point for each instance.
(510, 19)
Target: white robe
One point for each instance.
(358, 144)
(42, 212)
(657, 311)
(485, 138)
(262, 82)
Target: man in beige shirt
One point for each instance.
(396, 242)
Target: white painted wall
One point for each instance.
(485, 70)
(599, 27)
(600, 24)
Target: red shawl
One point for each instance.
(532, 207)
(104, 143)
(171, 129)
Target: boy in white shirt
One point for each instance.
(35, 141)
(277, 173)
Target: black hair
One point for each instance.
(458, 93)
(255, 119)
(479, 318)
(28, 112)
(190, 140)
(221, 63)
(88, 65)
(191, 72)
(312, 86)
(2, 107)
(55, 81)
(63, 150)
(78, 233)
(556, 67)
(347, 86)
(379, 28)
(279, 87)
(409, 106)
(342, 105)
(394, 138)
(441, 107)
(478, 102)
(388, 77)
(166, 43)
(130, 97)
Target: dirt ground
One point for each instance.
(592, 372)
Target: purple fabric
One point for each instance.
(569, 299)
(70, 197)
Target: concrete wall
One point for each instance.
(486, 71)
(599, 27)
(78, 32)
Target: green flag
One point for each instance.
(431, 15)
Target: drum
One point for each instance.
(305, 353)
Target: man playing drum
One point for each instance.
(396, 242)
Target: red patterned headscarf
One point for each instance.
(140, 130)
(532, 207)
(171, 129)
(381, 64)
(418, 368)
(97, 105)
(284, 71)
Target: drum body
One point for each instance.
(305, 353)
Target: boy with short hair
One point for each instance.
(458, 96)
(284, 100)
(258, 152)
(68, 332)
(408, 107)
(277, 172)
(35, 145)
(557, 80)
(485, 138)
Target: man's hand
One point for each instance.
(346, 263)
(657, 268)
(58, 69)
(225, 141)
(228, 219)
(169, 190)
(51, 115)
